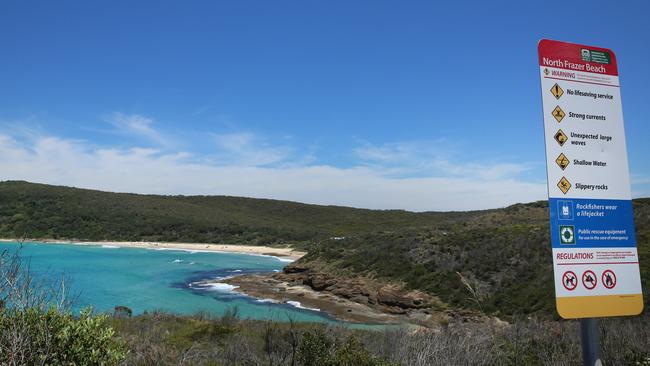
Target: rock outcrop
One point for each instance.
(389, 298)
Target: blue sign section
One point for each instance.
(591, 223)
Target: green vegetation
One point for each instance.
(503, 254)
(43, 211)
(318, 349)
(494, 262)
(37, 327)
(165, 339)
(35, 337)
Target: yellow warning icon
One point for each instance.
(562, 161)
(564, 185)
(560, 137)
(558, 113)
(557, 91)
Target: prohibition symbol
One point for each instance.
(560, 137)
(589, 280)
(557, 91)
(558, 113)
(609, 279)
(569, 280)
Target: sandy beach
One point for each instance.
(287, 253)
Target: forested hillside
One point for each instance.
(44, 211)
(503, 254)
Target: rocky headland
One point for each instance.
(359, 300)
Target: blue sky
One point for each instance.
(379, 104)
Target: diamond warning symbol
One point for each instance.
(558, 114)
(564, 185)
(560, 137)
(557, 91)
(562, 161)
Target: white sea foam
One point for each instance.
(222, 278)
(281, 259)
(298, 305)
(109, 246)
(267, 301)
(237, 270)
(220, 287)
(177, 260)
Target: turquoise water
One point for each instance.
(148, 279)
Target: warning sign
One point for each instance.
(562, 161)
(564, 185)
(560, 137)
(609, 279)
(589, 280)
(557, 91)
(558, 114)
(593, 238)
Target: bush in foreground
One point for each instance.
(166, 339)
(37, 326)
(51, 337)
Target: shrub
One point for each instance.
(317, 349)
(51, 337)
(122, 312)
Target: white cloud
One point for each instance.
(388, 153)
(54, 160)
(247, 149)
(434, 158)
(136, 125)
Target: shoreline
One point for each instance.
(280, 253)
(263, 287)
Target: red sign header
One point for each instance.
(577, 57)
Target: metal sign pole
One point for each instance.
(589, 340)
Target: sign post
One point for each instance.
(595, 261)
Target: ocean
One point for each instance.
(155, 279)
